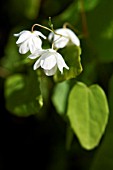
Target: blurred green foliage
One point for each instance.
(23, 96)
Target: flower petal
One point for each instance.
(50, 36)
(32, 56)
(51, 72)
(48, 61)
(37, 64)
(37, 42)
(62, 31)
(18, 34)
(36, 54)
(73, 37)
(60, 42)
(24, 36)
(61, 63)
(33, 46)
(38, 33)
(23, 48)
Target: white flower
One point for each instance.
(49, 60)
(29, 41)
(62, 41)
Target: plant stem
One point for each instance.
(41, 27)
(84, 21)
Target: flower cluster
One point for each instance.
(48, 59)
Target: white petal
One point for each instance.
(51, 72)
(32, 46)
(61, 63)
(38, 33)
(36, 54)
(60, 42)
(37, 42)
(50, 37)
(37, 64)
(32, 56)
(18, 34)
(61, 31)
(23, 48)
(40, 52)
(73, 37)
(48, 61)
(51, 50)
(26, 35)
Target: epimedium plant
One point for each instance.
(85, 108)
(49, 59)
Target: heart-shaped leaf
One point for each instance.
(88, 113)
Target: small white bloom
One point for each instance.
(49, 60)
(62, 41)
(29, 41)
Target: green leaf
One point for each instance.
(59, 100)
(71, 55)
(88, 113)
(22, 94)
(104, 156)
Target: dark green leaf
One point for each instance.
(71, 55)
(22, 93)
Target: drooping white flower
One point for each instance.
(65, 35)
(29, 41)
(49, 60)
